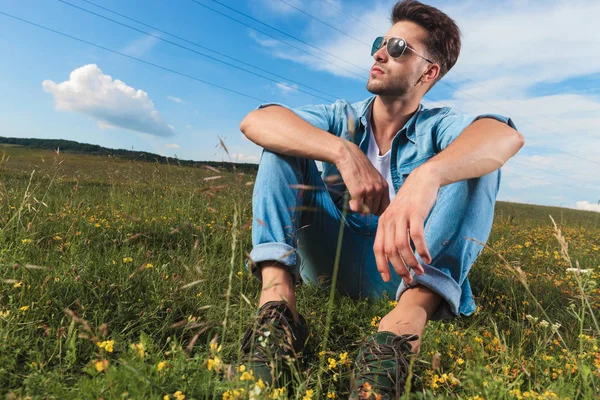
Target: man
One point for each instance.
(421, 181)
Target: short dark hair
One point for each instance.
(443, 43)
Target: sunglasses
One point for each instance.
(395, 47)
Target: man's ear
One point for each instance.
(431, 74)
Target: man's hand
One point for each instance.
(368, 189)
(403, 220)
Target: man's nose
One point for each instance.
(381, 54)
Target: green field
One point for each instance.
(116, 276)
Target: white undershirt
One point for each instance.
(381, 163)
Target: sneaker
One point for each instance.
(382, 365)
(273, 343)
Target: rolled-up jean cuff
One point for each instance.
(442, 284)
(279, 252)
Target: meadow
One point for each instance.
(127, 280)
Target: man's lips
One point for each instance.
(377, 71)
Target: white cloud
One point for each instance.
(139, 47)
(175, 99)
(286, 88)
(110, 102)
(188, 126)
(586, 205)
(173, 146)
(245, 158)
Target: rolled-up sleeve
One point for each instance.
(451, 124)
(321, 116)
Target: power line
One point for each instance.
(283, 33)
(201, 46)
(132, 57)
(206, 55)
(323, 22)
(351, 16)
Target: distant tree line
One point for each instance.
(70, 146)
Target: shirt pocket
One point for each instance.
(406, 168)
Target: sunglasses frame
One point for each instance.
(385, 41)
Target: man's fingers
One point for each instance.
(402, 242)
(356, 204)
(375, 203)
(392, 253)
(385, 202)
(379, 251)
(417, 235)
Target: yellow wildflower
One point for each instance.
(331, 395)
(26, 241)
(18, 284)
(101, 365)
(4, 314)
(178, 395)
(247, 376)
(127, 260)
(277, 393)
(106, 345)
(344, 358)
(260, 383)
(308, 395)
(332, 363)
(214, 363)
(148, 266)
(161, 365)
(24, 308)
(167, 397)
(460, 361)
(214, 346)
(375, 321)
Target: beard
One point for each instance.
(397, 88)
(387, 86)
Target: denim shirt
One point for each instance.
(425, 134)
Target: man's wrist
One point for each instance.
(341, 151)
(432, 172)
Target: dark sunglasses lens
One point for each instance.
(396, 47)
(376, 45)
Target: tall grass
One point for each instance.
(127, 280)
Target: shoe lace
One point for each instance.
(271, 336)
(374, 353)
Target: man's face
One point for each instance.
(396, 77)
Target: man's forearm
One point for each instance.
(282, 131)
(483, 147)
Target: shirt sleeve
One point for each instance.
(320, 116)
(452, 124)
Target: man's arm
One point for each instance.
(282, 131)
(481, 148)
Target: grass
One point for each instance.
(125, 280)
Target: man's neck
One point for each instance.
(389, 115)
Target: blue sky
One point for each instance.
(536, 62)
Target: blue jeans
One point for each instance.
(300, 227)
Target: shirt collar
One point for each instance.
(411, 132)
